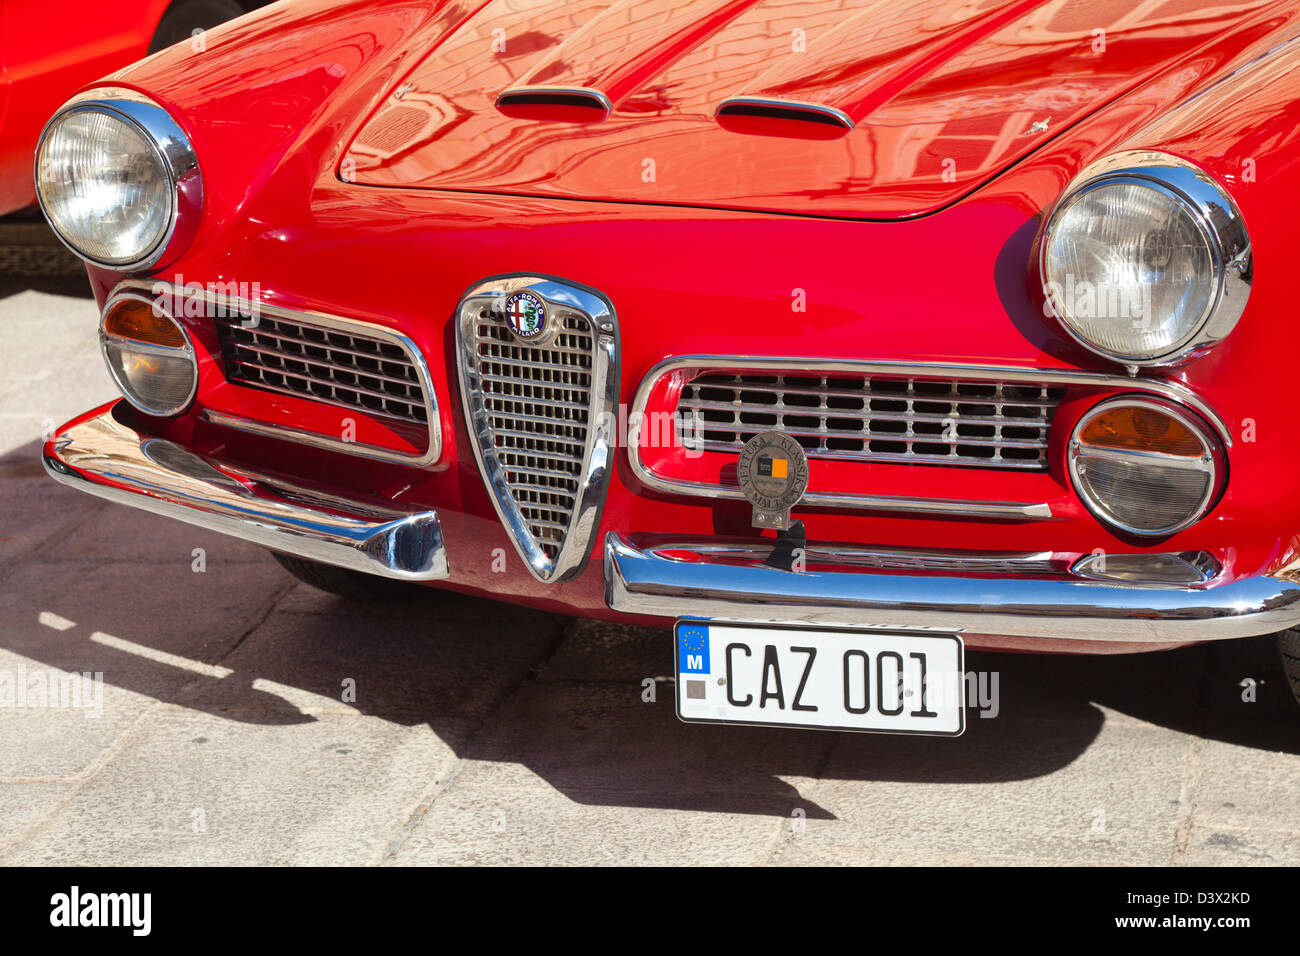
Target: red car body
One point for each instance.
(48, 51)
(356, 163)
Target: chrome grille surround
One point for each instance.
(876, 418)
(541, 417)
(229, 309)
(686, 365)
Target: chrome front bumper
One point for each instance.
(104, 456)
(650, 582)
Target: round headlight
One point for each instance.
(1145, 259)
(118, 180)
(1145, 466)
(148, 354)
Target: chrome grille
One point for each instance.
(537, 404)
(372, 375)
(875, 418)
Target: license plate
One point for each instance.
(892, 682)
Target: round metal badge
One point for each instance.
(526, 315)
(773, 474)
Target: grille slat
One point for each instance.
(867, 417)
(332, 366)
(291, 341)
(537, 403)
(797, 410)
(347, 369)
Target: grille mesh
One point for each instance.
(538, 405)
(341, 368)
(876, 418)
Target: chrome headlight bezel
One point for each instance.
(176, 159)
(1214, 214)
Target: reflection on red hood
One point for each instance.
(896, 109)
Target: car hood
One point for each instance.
(877, 110)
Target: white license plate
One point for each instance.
(893, 682)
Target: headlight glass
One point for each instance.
(1135, 272)
(1144, 467)
(1145, 263)
(118, 180)
(104, 187)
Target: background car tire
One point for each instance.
(354, 585)
(185, 16)
(1288, 648)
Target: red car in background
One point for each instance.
(840, 336)
(49, 49)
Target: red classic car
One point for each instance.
(51, 48)
(844, 335)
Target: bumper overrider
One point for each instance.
(102, 454)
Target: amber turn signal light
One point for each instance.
(1142, 429)
(138, 320)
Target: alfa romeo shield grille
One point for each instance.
(534, 376)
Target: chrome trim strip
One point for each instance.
(601, 426)
(323, 321)
(175, 154)
(883, 559)
(296, 435)
(984, 509)
(106, 457)
(797, 110)
(936, 506)
(639, 581)
(1216, 215)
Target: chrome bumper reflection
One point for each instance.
(648, 581)
(106, 457)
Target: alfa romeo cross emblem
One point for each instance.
(773, 473)
(526, 315)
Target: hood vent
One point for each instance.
(566, 104)
(773, 117)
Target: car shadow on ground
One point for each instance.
(562, 697)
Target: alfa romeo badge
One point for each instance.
(526, 315)
(773, 473)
